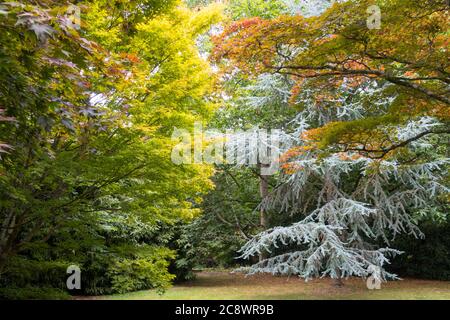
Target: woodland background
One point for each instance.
(86, 122)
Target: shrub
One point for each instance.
(427, 258)
(21, 272)
(145, 270)
(33, 293)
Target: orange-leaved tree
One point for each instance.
(408, 51)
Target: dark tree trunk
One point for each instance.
(264, 192)
(338, 281)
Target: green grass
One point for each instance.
(223, 285)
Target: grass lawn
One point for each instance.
(223, 285)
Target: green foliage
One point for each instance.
(146, 269)
(33, 293)
(212, 239)
(240, 9)
(21, 272)
(427, 258)
(229, 219)
(86, 118)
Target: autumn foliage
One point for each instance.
(409, 53)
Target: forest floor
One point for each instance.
(224, 285)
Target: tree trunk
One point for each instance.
(338, 281)
(264, 192)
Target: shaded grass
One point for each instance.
(223, 285)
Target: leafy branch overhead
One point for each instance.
(409, 53)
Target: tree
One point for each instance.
(358, 171)
(90, 115)
(408, 52)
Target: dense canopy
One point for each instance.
(354, 95)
